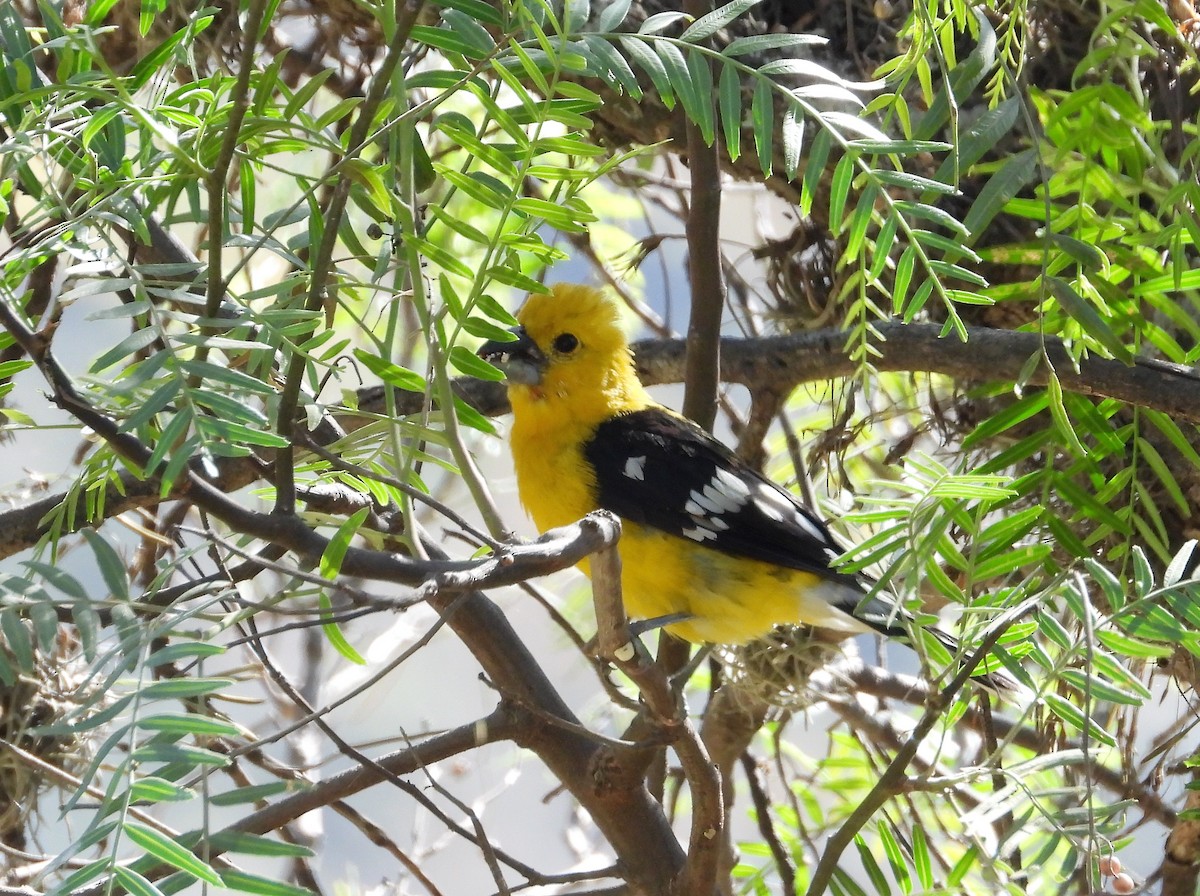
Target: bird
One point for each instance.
(717, 552)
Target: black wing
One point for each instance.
(663, 471)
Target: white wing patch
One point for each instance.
(698, 533)
(635, 468)
(723, 495)
(770, 504)
(777, 507)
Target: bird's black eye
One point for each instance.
(565, 343)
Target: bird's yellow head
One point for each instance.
(570, 361)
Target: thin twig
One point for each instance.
(703, 227)
(891, 781)
(699, 872)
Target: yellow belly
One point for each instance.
(731, 600)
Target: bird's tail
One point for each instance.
(889, 619)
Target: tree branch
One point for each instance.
(703, 227)
(988, 356)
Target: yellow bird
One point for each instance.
(707, 543)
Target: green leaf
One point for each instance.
(392, 374)
(729, 103)
(1174, 434)
(762, 118)
(902, 279)
(907, 181)
(571, 217)
(761, 43)
(97, 10)
(981, 137)
(485, 329)
(252, 794)
(878, 879)
(468, 416)
(149, 65)
(648, 61)
(1058, 412)
(339, 543)
(17, 639)
(963, 866)
(1183, 601)
(708, 25)
(680, 77)
(1088, 318)
(133, 883)
(183, 688)
(1134, 648)
(1099, 689)
(818, 155)
(1178, 566)
(882, 144)
(922, 862)
(150, 789)
(792, 134)
(86, 874)
(254, 845)
(1087, 256)
(158, 400)
(619, 68)
(495, 310)
(1166, 478)
(1143, 573)
(178, 754)
(1110, 666)
(244, 882)
(1110, 585)
(932, 213)
(701, 78)
(1154, 622)
(448, 40)
(660, 22)
(1076, 718)
(59, 578)
(163, 848)
(465, 138)
(613, 15)
(856, 231)
(839, 191)
(479, 10)
(895, 856)
(183, 650)
(575, 15)
(472, 365)
(116, 577)
(443, 257)
(188, 723)
(334, 633)
(9, 369)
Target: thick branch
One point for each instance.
(988, 356)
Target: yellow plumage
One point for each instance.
(729, 598)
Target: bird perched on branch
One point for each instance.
(709, 546)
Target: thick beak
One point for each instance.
(521, 360)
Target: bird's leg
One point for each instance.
(639, 627)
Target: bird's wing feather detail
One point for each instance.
(662, 471)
